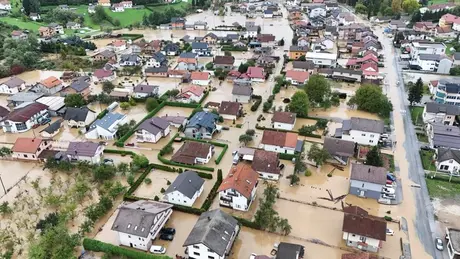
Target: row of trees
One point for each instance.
(156, 18)
(386, 7)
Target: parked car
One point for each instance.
(439, 244)
(166, 237)
(384, 201)
(388, 190)
(388, 196)
(169, 231)
(428, 148)
(390, 232)
(391, 177)
(157, 249)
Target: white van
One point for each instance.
(157, 250)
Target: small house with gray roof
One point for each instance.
(79, 85)
(184, 191)
(361, 131)
(12, 86)
(212, 236)
(202, 125)
(130, 60)
(440, 113)
(152, 130)
(340, 150)
(241, 93)
(52, 129)
(79, 117)
(448, 160)
(85, 151)
(106, 127)
(440, 135)
(367, 181)
(105, 55)
(144, 91)
(140, 222)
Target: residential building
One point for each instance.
(268, 14)
(171, 49)
(104, 55)
(178, 22)
(241, 93)
(142, 91)
(3, 112)
(130, 60)
(363, 232)
(201, 49)
(29, 148)
(19, 35)
(152, 130)
(295, 52)
(238, 189)
(192, 153)
(5, 5)
(80, 85)
(348, 75)
(102, 75)
(34, 16)
(187, 61)
(224, 62)
(448, 20)
(284, 120)
(73, 25)
(440, 113)
(210, 38)
(175, 121)
(105, 3)
(256, 74)
(367, 181)
(427, 27)
(317, 10)
(91, 9)
(191, 93)
(212, 236)
(432, 62)
(290, 251)
(156, 71)
(340, 150)
(46, 32)
(360, 130)
(57, 28)
(22, 97)
(55, 104)
(322, 60)
(85, 151)
(448, 160)
(280, 141)
(266, 164)
(308, 66)
(139, 223)
(106, 127)
(24, 118)
(201, 125)
(297, 77)
(118, 45)
(426, 47)
(230, 110)
(443, 135)
(127, 4)
(447, 92)
(50, 85)
(200, 78)
(12, 86)
(250, 32)
(453, 241)
(185, 189)
(79, 117)
(370, 71)
(52, 129)
(200, 25)
(437, 7)
(157, 59)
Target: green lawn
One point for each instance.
(28, 25)
(427, 160)
(422, 137)
(128, 17)
(162, 8)
(440, 187)
(441, 1)
(416, 115)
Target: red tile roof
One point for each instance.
(200, 76)
(370, 67)
(51, 82)
(118, 43)
(279, 138)
(102, 73)
(359, 256)
(364, 226)
(27, 145)
(284, 117)
(25, 113)
(256, 72)
(193, 89)
(299, 76)
(266, 161)
(241, 178)
(234, 73)
(450, 18)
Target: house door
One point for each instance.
(361, 193)
(131, 244)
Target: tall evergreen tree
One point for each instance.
(416, 92)
(373, 157)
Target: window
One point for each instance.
(363, 134)
(362, 239)
(25, 155)
(372, 135)
(197, 247)
(371, 141)
(210, 257)
(196, 253)
(444, 167)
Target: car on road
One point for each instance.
(390, 232)
(169, 231)
(388, 190)
(166, 237)
(388, 196)
(391, 177)
(439, 244)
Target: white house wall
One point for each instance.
(362, 137)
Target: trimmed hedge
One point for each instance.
(186, 209)
(120, 152)
(102, 114)
(308, 117)
(133, 37)
(164, 168)
(219, 158)
(98, 246)
(248, 223)
(183, 105)
(169, 162)
(204, 97)
(283, 130)
(287, 156)
(204, 175)
(138, 182)
(256, 105)
(213, 193)
(217, 144)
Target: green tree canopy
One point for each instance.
(318, 155)
(416, 92)
(318, 90)
(151, 103)
(74, 100)
(55, 243)
(299, 103)
(371, 99)
(373, 157)
(108, 87)
(410, 6)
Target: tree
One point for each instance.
(108, 87)
(307, 130)
(281, 42)
(371, 99)
(227, 53)
(116, 22)
(317, 155)
(5, 151)
(299, 103)
(410, 6)
(49, 221)
(209, 66)
(151, 103)
(373, 157)
(56, 242)
(245, 139)
(123, 130)
(360, 8)
(104, 172)
(140, 162)
(125, 105)
(250, 132)
(318, 90)
(31, 6)
(302, 58)
(396, 6)
(416, 92)
(243, 68)
(74, 100)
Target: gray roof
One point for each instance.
(368, 173)
(199, 45)
(187, 183)
(457, 55)
(161, 69)
(434, 107)
(213, 229)
(290, 251)
(107, 53)
(303, 64)
(14, 82)
(445, 154)
(347, 71)
(77, 114)
(53, 127)
(446, 136)
(187, 55)
(159, 57)
(138, 217)
(339, 147)
(203, 119)
(242, 90)
(107, 121)
(367, 125)
(434, 57)
(87, 148)
(129, 57)
(171, 47)
(252, 28)
(145, 88)
(298, 48)
(79, 85)
(24, 97)
(154, 125)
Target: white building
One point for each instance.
(29, 148)
(280, 142)
(191, 93)
(417, 48)
(241, 93)
(140, 222)
(5, 5)
(118, 8)
(12, 86)
(106, 127)
(448, 160)
(184, 191)
(317, 10)
(127, 4)
(238, 189)
(212, 236)
(230, 110)
(433, 62)
(200, 78)
(453, 241)
(130, 60)
(85, 151)
(266, 164)
(283, 120)
(152, 130)
(79, 117)
(23, 118)
(144, 91)
(322, 59)
(192, 152)
(445, 114)
(361, 131)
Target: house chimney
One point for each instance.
(369, 170)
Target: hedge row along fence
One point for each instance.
(283, 130)
(98, 246)
(217, 144)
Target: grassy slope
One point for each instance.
(29, 25)
(128, 17)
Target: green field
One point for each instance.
(162, 8)
(440, 187)
(442, 1)
(28, 25)
(128, 17)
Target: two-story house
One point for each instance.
(201, 125)
(178, 22)
(152, 130)
(238, 189)
(224, 62)
(192, 153)
(130, 60)
(80, 117)
(57, 28)
(361, 130)
(140, 222)
(426, 47)
(448, 160)
(29, 148)
(296, 77)
(5, 5)
(280, 142)
(12, 86)
(171, 49)
(157, 59)
(142, 91)
(447, 91)
(50, 85)
(185, 189)
(266, 164)
(230, 110)
(106, 127)
(201, 49)
(317, 10)
(105, 55)
(80, 85)
(24, 118)
(340, 150)
(440, 113)
(191, 93)
(210, 39)
(432, 62)
(367, 181)
(440, 135)
(296, 52)
(348, 75)
(242, 93)
(85, 151)
(322, 60)
(212, 236)
(200, 78)
(283, 120)
(187, 61)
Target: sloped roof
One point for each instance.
(25, 113)
(86, 148)
(445, 154)
(364, 226)
(448, 109)
(187, 183)
(107, 121)
(230, 108)
(339, 147)
(362, 124)
(241, 178)
(154, 125)
(191, 150)
(51, 82)
(284, 117)
(14, 82)
(368, 173)
(77, 114)
(266, 161)
(26, 145)
(203, 119)
(279, 138)
(224, 60)
(53, 127)
(245, 90)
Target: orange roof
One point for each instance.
(103, 1)
(241, 178)
(279, 138)
(299, 76)
(43, 29)
(187, 60)
(27, 145)
(118, 43)
(194, 89)
(51, 82)
(200, 76)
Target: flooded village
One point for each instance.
(256, 130)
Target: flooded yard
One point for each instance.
(160, 180)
